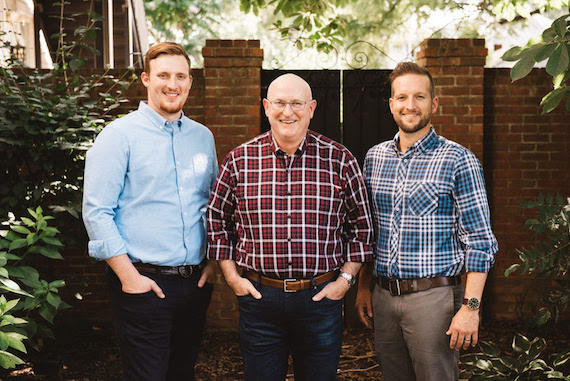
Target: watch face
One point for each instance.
(473, 303)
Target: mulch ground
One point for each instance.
(89, 353)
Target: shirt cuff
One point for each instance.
(105, 249)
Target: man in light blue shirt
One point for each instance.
(432, 225)
(147, 182)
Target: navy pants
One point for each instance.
(281, 323)
(159, 339)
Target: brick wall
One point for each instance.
(523, 153)
(526, 153)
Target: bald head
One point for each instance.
(289, 107)
(289, 81)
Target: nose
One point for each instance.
(172, 84)
(411, 103)
(288, 109)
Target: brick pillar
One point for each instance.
(457, 67)
(232, 75)
(232, 70)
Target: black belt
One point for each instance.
(184, 271)
(292, 285)
(406, 286)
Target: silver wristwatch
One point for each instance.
(351, 279)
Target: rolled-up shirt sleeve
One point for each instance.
(359, 230)
(474, 225)
(106, 165)
(221, 214)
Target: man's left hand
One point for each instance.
(207, 272)
(334, 290)
(464, 329)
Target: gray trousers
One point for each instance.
(409, 331)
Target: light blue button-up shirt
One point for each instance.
(147, 184)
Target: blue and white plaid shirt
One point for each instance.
(430, 209)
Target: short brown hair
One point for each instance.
(164, 48)
(404, 68)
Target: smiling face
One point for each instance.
(168, 83)
(412, 105)
(289, 126)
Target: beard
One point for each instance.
(171, 108)
(410, 129)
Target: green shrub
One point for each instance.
(48, 119)
(550, 258)
(38, 300)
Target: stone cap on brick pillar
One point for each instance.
(232, 53)
(452, 52)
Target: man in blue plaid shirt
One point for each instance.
(432, 225)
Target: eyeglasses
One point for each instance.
(295, 105)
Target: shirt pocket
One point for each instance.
(424, 199)
(202, 172)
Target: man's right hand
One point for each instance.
(363, 306)
(131, 280)
(242, 286)
(141, 284)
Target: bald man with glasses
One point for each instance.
(290, 210)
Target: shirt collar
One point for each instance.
(425, 144)
(280, 153)
(158, 120)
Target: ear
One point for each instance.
(390, 101)
(145, 79)
(434, 104)
(266, 106)
(312, 107)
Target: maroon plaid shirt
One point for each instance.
(290, 216)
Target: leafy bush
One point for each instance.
(39, 301)
(550, 258)
(490, 365)
(553, 45)
(48, 119)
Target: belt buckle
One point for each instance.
(285, 281)
(185, 271)
(397, 282)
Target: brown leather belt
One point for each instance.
(184, 271)
(292, 285)
(406, 286)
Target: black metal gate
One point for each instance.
(363, 121)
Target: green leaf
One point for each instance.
(18, 244)
(8, 360)
(27, 221)
(513, 54)
(489, 349)
(560, 359)
(560, 26)
(558, 61)
(50, 252)
(51, 240)
(4, 341)
(523, 67)
(47, 312)
(512, 269)
(541, 317)
(53, 299)
(20, 229)
(15, 341)
(520, 343)
(552, 100)
(544, 52)
(57, 284)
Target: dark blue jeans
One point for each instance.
(281, 323)
(159, 339)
